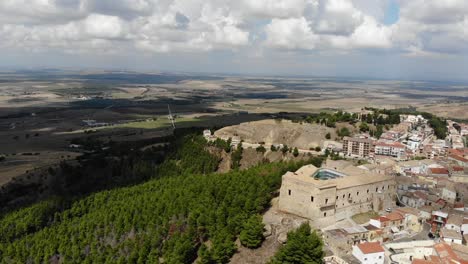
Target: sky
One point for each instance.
(396, 39)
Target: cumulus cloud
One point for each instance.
(424, 27)
(290, 33)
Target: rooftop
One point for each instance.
(439, 171)
(459, 158)
(370, 247)
(327, 174)
(455, 219)
(328, 178)
(449, 233)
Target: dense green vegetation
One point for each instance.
(343, 132)
(236, 157)
(251, 235)
(185, 213)
(302, 246)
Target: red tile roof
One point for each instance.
(446, 253)
(431, 260)
(370, 247)
(459, 158)
(439, 171)
(394, 216)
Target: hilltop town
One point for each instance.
(389, 191)
(211, 169)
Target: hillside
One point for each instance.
(166, 219)
(270, 131)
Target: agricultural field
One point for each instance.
(44, 111)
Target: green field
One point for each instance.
(158, 123)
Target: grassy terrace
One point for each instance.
(364, 217)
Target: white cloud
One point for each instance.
(277, 8)
(290, 33)
(424, 27)
(339, 17)
(371, 35)
(103, 26)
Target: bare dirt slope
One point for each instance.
(270, 131)
(277, 225)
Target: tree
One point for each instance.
(252, 234)
(236, 157)
(302, 246)
(363, 127)
(285, 149)
(318, 149)
(328, 136)
(295, 152)
(379, 131)
(261, 149)
(273, 148)
(344, 132)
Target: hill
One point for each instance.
(187, 213)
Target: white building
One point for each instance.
(207, 133)
(449, 194)
(394, 149)
(369, 253)
(451, 236)
(464, 228)
(454, 222)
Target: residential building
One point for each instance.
(454, 222)
(449, 194)
(414, 199)
(360, 147)
(342, 239)
(413, 218)
(460, 160)
(451, 236)
(464, 227)
(438, 172)
(438, 221)
(394, 149)
(393, 222)
(369, 253)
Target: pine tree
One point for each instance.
(301, 247)
(252, 234)
(296, 152)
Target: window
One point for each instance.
(289, 192)
(380, 257)
(326, 201)
(349, 195)
(357, 193)
(365, 258)
(336, 197)
(343, 196)
(377, 189)
(383, 187)
(311, 198)
(324, 214)
(367, 190)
